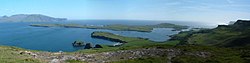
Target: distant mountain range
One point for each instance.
(29, 18)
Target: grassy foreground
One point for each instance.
(10, 54)
(216, 55)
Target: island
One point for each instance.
(117, 27)
(121, 40)
(30, 18)
(108, 36)
(223, 44)
(78, 43)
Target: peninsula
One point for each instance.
(117, 27)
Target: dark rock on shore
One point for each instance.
(78, 43)
(98, 46)
(88, 46)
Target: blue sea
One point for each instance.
(54, 39)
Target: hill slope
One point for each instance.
(29, 18)
(235, 35)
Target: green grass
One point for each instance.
(144, 60)
(11, 55)
(230, 36)
(173, 42)
(132, 43)
(199, 41)
(217, 55)
(215, 37)
(74, 61)
(117, 27)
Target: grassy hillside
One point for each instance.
(236, 35)
(216, 55)
(12, 55)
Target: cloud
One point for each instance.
(172, 3)
(230, 1)
(8, 10)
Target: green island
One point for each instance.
(117, 27)
(224, 44)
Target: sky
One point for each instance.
(216, 11)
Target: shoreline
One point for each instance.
(117, 27)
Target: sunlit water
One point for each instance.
(60, 39)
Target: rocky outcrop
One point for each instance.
(107, 57)
(78, 43)
(98, 46)
(237, 24)
(88, 46)
(242, 22)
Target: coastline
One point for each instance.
(117, 27)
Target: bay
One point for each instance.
(54, 39)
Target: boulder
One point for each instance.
(78, 43)
(88, 46)
(98, 46)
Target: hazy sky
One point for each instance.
(184, 10)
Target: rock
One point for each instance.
(98, 46)
(22, 52)
(117, 44)
(78, 43)
(88, 46)
(55, 61)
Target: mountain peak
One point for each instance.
(30, 18)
